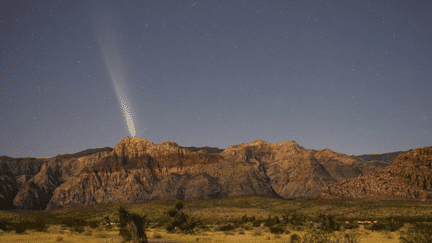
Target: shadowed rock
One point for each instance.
(409, 176)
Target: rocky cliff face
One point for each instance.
(409, 176)
(29, 183)
(13, 174)
(136, 171)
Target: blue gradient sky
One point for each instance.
(351, 76)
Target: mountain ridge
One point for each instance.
(137, 170)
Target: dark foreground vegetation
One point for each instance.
(330, 221)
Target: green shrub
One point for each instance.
(420, 233)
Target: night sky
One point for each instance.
(351, 76)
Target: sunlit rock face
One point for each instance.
(409, 176)
(136, 171)
(294, 172)
(36, 192)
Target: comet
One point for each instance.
(109, 45)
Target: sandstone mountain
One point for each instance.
(409, 176)
(29, 183)
(136, 171)
(379, 160)
(13, 174)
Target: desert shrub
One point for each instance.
(379, 226)
(276, 230)
(256, 223)
(327, 237)
(6, 226)
(101, 235)
(387, 224)
(257, 232)
(78, 228)
(39, 224)
(93, 223)
(108, 225)
(329, 223)
(178, 219)
(226, 227)
(271, 221)
(73, 222)
(237, 223)
(351, 225)
(296, 219)
(393, 223)
(20, 227)
(157, 235)
(352, 236)
(241, 232)
(59, 238)
(420, 233)
(132, 225)
(88, 232)
(229, 233)
(295, 238)
(246, 219)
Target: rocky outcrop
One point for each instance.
(409, 176)
(37, 191)
(14, 172)
(136, 171)
(294, 172)
(379, 160)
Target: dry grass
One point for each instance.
(222, 211)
